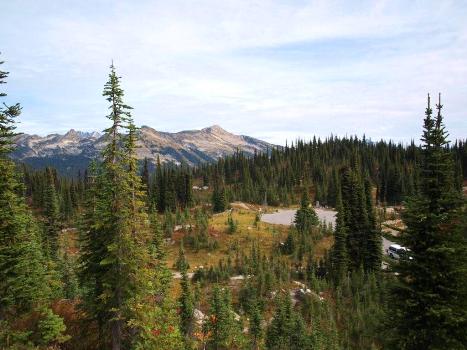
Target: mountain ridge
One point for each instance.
(74, 149)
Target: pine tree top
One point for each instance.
(7, 119)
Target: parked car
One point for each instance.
(397, 252)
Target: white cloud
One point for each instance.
(255, 67)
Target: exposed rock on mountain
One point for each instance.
(75, 149)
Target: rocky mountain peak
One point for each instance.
(215, 129)
(73, 150)
(71, 134)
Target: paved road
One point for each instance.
(286, 217)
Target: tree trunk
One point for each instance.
(116, 330)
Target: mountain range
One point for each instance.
(74, 150)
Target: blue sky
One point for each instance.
(275, 70)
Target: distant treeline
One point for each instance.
(168, 188)
(278, 177)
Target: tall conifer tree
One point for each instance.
(52, 213)
(24, 278)
(119, 266)
(429, 302)
(339, 258)
(374, 250)
(186, 298)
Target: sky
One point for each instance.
(276, 70)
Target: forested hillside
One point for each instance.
(125, 257)
(393, 170)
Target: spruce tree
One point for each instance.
(255, 319)
(305, 218)
(52, 213)
(363, 239)
(231, 224)
(221, 322)
(160, 192)
(287, 329)
(145, 175)
(119, 269)
(339, 258)
(188, 195)
(91, 251)
(181, 262)
(185, 300)
(428, 307)
(374, 250)
(219, 201)
(24, 277)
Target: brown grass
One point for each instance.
(245, 235)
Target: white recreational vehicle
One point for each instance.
(396, 251)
